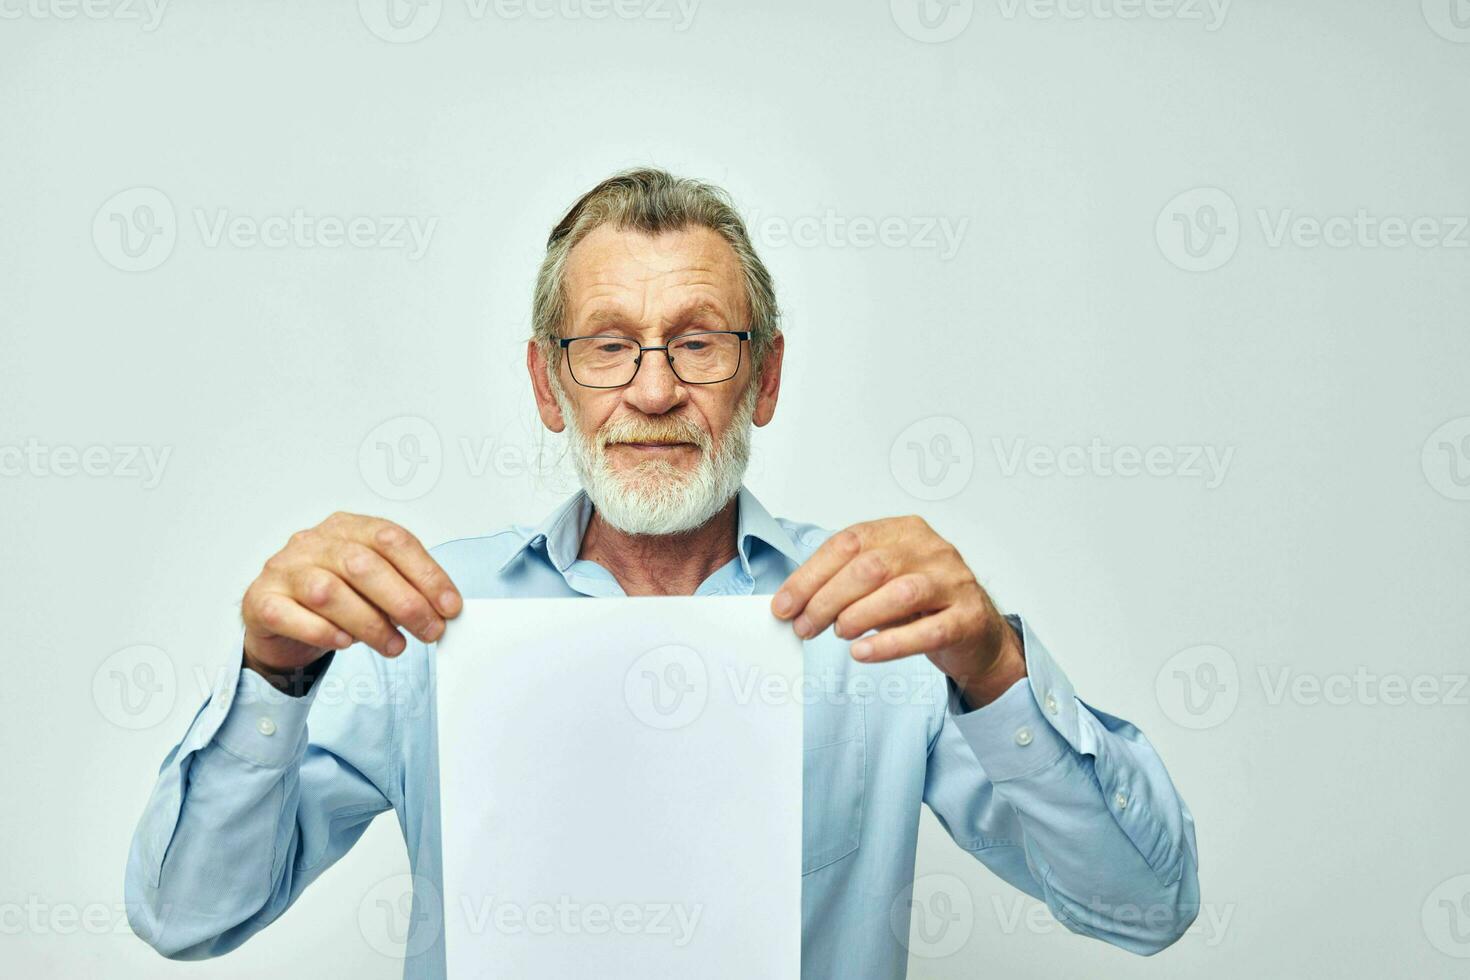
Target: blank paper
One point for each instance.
(620, 786)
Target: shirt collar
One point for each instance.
(559, 536)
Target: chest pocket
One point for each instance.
(834, 778)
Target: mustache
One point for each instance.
(646, 429)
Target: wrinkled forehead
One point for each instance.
(631, 279)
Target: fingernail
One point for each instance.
(449, 602)
(782, 603)
(803, 626)
(435, 630)
(342, 641)
(861, 649)
(396, 646)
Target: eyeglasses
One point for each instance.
(704, 358)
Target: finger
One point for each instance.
(284, 616)
(333, 599)
(825, 562)
(897, 601)
(927, 634)
(858, 578)
(377, 581)
(411, 559)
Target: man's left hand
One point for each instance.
(899, 577)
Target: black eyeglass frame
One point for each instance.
(742, 335)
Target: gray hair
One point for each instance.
(652, 201)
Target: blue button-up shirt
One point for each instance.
(1069, 804)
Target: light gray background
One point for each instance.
(1073, 148)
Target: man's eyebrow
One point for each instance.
(698, 309)
(603, 317)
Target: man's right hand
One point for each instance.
(351, 578)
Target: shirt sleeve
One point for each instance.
(253, 804)
(1069, 804)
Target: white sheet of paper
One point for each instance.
(620, 788)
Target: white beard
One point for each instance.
(657, 497)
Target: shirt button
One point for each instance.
(1051, 703)
(265, 726)
(1023, 736)
(1121, 801)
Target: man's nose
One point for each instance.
(655, 388)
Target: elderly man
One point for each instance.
(656, 347)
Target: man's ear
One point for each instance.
(546, 405)
(770, 383)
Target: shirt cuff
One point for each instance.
(1028, 728)
(261, 725)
